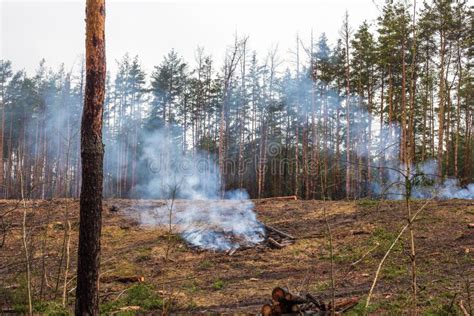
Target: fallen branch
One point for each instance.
(274, 243)
(280, 198)
(275, 230)
(366, 254)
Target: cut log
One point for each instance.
(278, 293)
(279, 232)
(280, 198)
(122, 279)
(267, 310)
(278, 310)
(273, 243)
(287, 302)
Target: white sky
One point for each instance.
(31, 30)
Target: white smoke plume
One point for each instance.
(190, 183)
(381, 149)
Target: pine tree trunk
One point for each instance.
(8, 184)
(297, 136)
(348, 111)
(92, 154)
(467, 170)
(2, 128)
(369, 137)
(337, 177)
(222, 145)
(404, 138)
(447, 157)
(305, 158)
(425, 111)
(381, 135)
(442, 102)
(458, 116)
(432, 120)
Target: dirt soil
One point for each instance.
(205, 281)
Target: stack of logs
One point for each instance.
(286, 303)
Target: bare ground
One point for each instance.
(204, 281)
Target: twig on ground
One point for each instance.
(377, 244)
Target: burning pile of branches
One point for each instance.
(271, 237)
(215, 225)
(286, 303)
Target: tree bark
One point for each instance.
(348, 110)
(442, 100)
(92, 154)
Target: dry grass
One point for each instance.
(207, 281)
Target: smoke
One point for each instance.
(424, 184)
(218, 225)
(190, 182)
(170, 168)
(375, 144)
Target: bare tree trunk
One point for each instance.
(442, 102)
(346, 33)
(262, 161)
(297, 136)
(25, 238)
(8, 183)
(92, 155)
(381, 136)
(467, 172)
(425, 112)
(404, 158)
(242, 122)
(458, 115)
(2, 129)
(304, 158)
(222, 146)
(432, 129)
(338, 154)
(369, 133)
(232, 60)
(411, 123)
